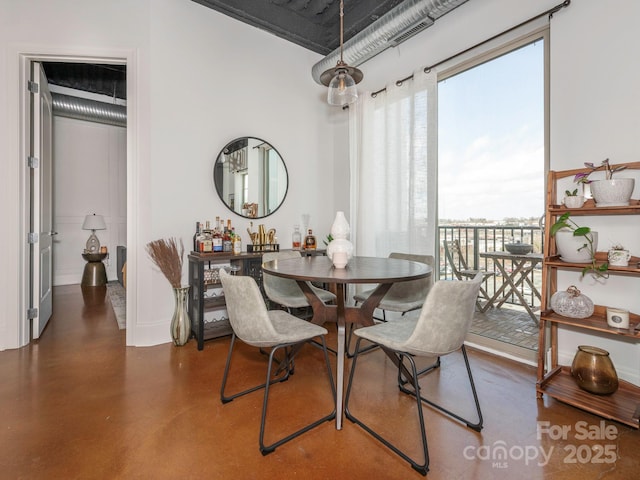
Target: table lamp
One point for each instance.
(93, 222)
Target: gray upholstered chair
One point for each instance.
(402, 297)
(285, 291)
(276, 329)
(440, 329)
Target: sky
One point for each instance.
(491, 139)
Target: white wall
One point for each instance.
(89, 176)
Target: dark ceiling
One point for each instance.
(108, 80)
(312, 24)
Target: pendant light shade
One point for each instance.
(342, 89)
(341, 79)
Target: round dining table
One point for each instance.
(359, 270)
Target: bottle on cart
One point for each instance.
(196, 238)
(236, 242)
(206, 239)
(217, 237)
(227, 244)
(296, 238)
(310, 241)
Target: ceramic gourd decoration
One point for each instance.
(340, 249)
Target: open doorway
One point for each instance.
(491, 171)
(90, 165)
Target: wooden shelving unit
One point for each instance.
(555, 380)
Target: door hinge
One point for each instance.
(32, 238)
(32, 86)
(32, 313)
(33, 162)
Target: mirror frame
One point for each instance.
(220, 164)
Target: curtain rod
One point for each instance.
(549, 12)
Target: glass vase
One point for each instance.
(593, 370)
(180, 323)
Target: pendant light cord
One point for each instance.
(341, 29)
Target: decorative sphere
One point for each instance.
(340, 245)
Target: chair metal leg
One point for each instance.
(350, 332)
(287, 362)
(266, 449)
(477, 426)
(421, 468)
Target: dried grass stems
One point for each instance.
(168, 259)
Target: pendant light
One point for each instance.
(341, 79)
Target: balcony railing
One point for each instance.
(491, 238)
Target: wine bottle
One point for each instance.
(196, 244)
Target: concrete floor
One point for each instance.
(79, 404)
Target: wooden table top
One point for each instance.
(358, 270)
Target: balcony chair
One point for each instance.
(285, 291)
(402, 297)
(276, 329)
(440, 329)
(461, 271)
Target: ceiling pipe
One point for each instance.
(89, 110)
(399, 24)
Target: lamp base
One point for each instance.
(93, 244)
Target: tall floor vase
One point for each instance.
(180, 323)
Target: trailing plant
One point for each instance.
(564, 222)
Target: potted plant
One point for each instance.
(572, 199)
(607, 192)
(578, 244)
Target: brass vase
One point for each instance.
(593, 370)
(180, 323)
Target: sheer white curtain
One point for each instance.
(393, 161)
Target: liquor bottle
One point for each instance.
(206, 243)
(296, 238)
(236, 242)
(196, 244)
(217, 237)
(227, 245)
(310, 241)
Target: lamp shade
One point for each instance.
(94, 222)
(342, 90)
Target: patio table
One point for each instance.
(523, 265)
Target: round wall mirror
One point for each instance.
(250, 177)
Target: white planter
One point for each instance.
(612, 193)
(575, 201)
(570, 248)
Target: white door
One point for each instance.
(41, 201)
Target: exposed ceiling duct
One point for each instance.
(399, 24)
(89, 110)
